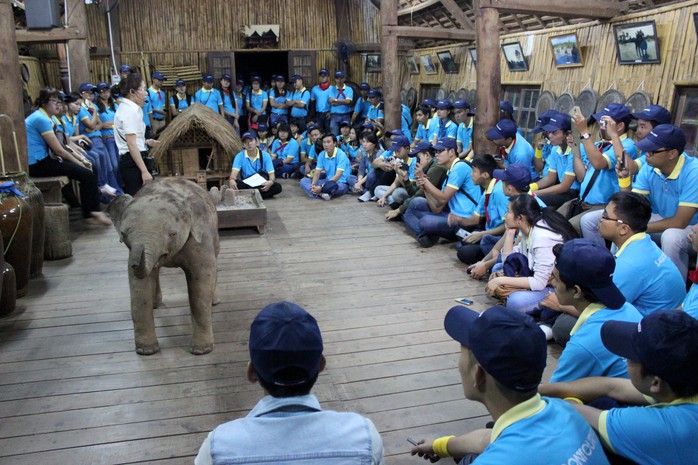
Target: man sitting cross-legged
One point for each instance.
(334, 163)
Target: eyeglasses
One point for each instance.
(655, 152)
(605, 217)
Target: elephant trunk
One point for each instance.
(140, 261)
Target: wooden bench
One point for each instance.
(50, 187)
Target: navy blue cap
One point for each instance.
(159, 76)
(656, 113)
(515, 174)
(207, 78)
(396, 132)
(445, 144)
(324, 71)
(590, 265)
(373, 93)
(368, 125)
(558, 121)
(507, 107)
(312, 127)
(180, 82)
(248, 135)
(461, 104)
(504, 129)
(422, 146)
(664, 342)
(295, 77)
(543, 119)
(615, 111)
(282, 336)
(86, 87)
(262, 127)
(507, 343)
(399, 142)
(365, 86)
(101, 86)
(63, 96)
(125, 69)
(339, 74)
(240, 82)
(663, 136)
(256, 78)
(280, 77)
(444, 105)
(429, 102)
(227, 77)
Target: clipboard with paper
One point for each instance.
(255, 180)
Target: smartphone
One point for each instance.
(432, 457)
(404, 166)
(621, 163)
(462, 233)
(464, 301)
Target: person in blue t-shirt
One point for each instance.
(513, 147)
(240, 101)
(180, 100)
(445, 128)
(277, 101)
(320, 100)
(583, 278)
(502, 358)
(662, 355)
(334, 164)
(374, 114)
(464, 134)
(256, 104)
(341, 98)
(250, 162)
(298, 100)
(158, 101)
(285, 152)
(362, 105)
(208, 96)
(230, 109)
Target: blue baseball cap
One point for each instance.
(590, 265)
(240, 82)
(615, 111)
(508, 344)
(504, 129)
(324, 71)
(461, 104)
(543, 119)
(368, 125)
(227, 77)
(444, 105)
(515, 174)
(663, 136)
(374, 93)
(364, 86)
(429, 102)
(656, 113)
(558, 121)
(422, 146)
(339, 74)
(664, 342)
(262, 127)
(248, 135)
(87, 87)
(345, 123)
(311, 128)
(280, 77)
(159, 76)
(295, 77)
(283, 336)
(101, 86)
(399, 142)
(396, 132)
(445, 144)
(507, 107)
(180, 82)
(125, 69)
(207, 78)
(256, 79)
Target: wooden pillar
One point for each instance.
(389, 65)
(11, 96)
(78, 49)
(488, 76)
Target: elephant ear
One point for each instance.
(116, 209)
(197, 227)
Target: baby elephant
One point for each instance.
(173, 223)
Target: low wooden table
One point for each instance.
(255, 215)
(50, 187)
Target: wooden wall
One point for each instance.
(601, 71)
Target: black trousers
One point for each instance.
(273, 190)
(130, 174)
(556, 200)
(89, 193)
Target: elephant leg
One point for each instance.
(201, 283)
(142, 291)
(157, 294)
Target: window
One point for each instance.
(686, 116)
(524, 100)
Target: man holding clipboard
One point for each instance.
(254, 168)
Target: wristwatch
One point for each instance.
(585, 136)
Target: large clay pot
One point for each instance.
(16, 229)
(36, 201)
(8, 298)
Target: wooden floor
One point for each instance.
(73, 391)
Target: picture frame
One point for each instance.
(473, 54)
(428, 64)
(412, 64)
(637, 43)
(447, 63)
(514, 56)
(566, 50)
(373, 63)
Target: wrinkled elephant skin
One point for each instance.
(171, 223)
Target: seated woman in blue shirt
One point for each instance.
(285, 152)
(41, 136)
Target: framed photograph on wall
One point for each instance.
(449, 66)
(412, 64)
(373, 63)
(473, 54)
(428, 64)
(637, 43)
(513, 54)
(566, 51)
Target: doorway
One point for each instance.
(262, 64)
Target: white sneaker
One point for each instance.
(548, 331)
(365, 197)
(325, 196)
(108, 190)
(374, 198)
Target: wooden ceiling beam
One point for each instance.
(416, 8)
(58, 34)
(594, 9)
(457, 13)
(430, 33)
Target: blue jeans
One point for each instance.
(275, 118)
(105, 173)
(336, 119)
(335, 189)
(421, 221)
(113, 151)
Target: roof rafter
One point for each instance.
(596, 9)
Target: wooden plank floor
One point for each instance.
(73, 390)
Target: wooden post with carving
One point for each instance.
(390, 67)
(488, 77)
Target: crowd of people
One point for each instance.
(588, 243)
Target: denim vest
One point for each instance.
(294, 430)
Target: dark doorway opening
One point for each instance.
(262, 64)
